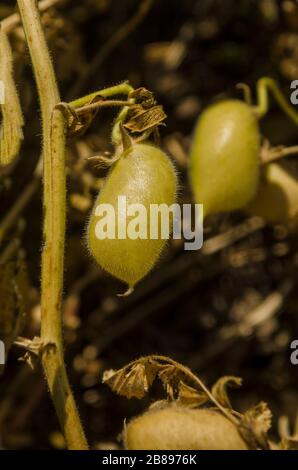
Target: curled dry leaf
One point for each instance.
(219, 389)
(255, 425)
(189, 396)
(140, 119)
(145, 114)
(170, 376)
(144, 97)
(103, 161)
(132, 381)
(11, 127)
(78, 122)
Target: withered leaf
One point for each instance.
(12, 122)
(189, 396)
(79, 120)
(140, 119)
(255, 424)
(219, 389)
(133, 382)
(170, 377)
(143, 96)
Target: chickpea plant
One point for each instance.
(226, 174)
(143, 174)
(140, 170)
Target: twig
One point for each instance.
(18, 207)
(9, 23)
(272, 154)
(9, 251)
(54, 228)
(262, 313)
(123, 88)
(103, 104)
(221, 241)
(111, 44)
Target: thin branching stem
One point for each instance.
(276, 153)
(266, 84)
(122, 89)
(103, 104)
(15, 211)
(12, 21)
(112, 43)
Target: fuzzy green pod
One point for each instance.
(224, 158)
(144, 175)
(178, 428)
(277, 197)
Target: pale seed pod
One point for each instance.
(224, 157)
(144, 175)
(277, 197)
(178, 428)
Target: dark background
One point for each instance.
(188, 53)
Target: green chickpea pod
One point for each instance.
(225, 153)
(277, 197)
(145, 175)
(225, 157)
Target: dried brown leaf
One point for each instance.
(255, 425)
(189, 396)
(170, 376)
(143, 96)
(140, 120)
(219, 389)
(133, 382)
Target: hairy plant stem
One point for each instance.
(54, 228)
(122, 89)
(276, 153)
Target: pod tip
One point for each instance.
(128, 292)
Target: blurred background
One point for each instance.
(230, 309)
